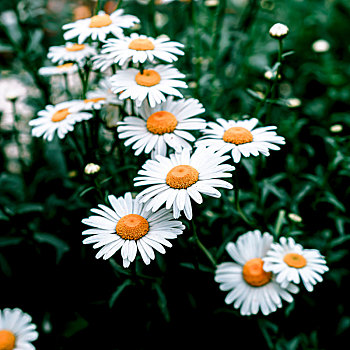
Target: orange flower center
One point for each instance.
(161, 122)
(65, 66)
(60, 115)
(149, 77)
(7, 340)
(237, 135)
(94, 99)
(75, 47)
(132, 227)
(254, 274)
(141, 45)
(295, 260)
(182, 176)
(99, 21)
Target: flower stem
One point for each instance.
(72, 137)
(66, 85)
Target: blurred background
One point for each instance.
(79, 302)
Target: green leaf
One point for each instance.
(118, 291)
(6, 241)
(75, 326)
(162, 302)
(60, 246)
(82, 193)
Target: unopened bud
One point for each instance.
(91, 169)
(279, 31)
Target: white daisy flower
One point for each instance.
(239, 138)
(16, 330)
(66, 68)
(279, 31)
(174, 181)
(71, 52)
(250, 287)
(291, 262)
(59, 118)
(140, 48)
(102, 62)
(131, 228)
(154, 83)
(99, 26)
(162, 126)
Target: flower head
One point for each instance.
(66, 68)
(279, 31)
(91, 169)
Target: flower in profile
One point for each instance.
(177, 179)
(250, 287)
(336, 128)
(240, 138)
(140, 48)
(66, 68)
(16, 330)
(71, 53)
(99, 26)
(279, 31)
(59, 118)
(292, 263)
(91, 169)
(130, 228)
(164, 125)
(152, 83)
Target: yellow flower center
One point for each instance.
(182, 176)
(254, 274)
(237, 135)
(295, 260)
(60, 115)
(141, 45)
(161, 122)
(94, 99)
(65, 66)
(75, 47)
(99, 21)
(149, 77)
(7, 340)
(132, 227)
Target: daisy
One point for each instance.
(71, 52)
(239, 138)
(16, 330)
(59, 118)
(97, 27)
(102, 62)
(175, 180)
(140, 48)
(131, 228)
(153, 82)
(162, 126)
(250, 287)
(291, 262)
(66, 68)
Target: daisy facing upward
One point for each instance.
(163, 126)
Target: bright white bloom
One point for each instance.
(162, 126)
(291, 262)
(321, 45)
(140, 48)
(174, 181)
(154, 83)
(279, 31)
(250, 287)
(99, 26)
(102, 62)
(59, 118)
(131, 228)
(239, 138)
(91, 169)
(71, 52)
(336, 128)
(67, 68)
(16, 330)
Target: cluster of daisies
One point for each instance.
(181, 169)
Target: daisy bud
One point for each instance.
(211, 3)
(293, 102)
(336, 128)
(279, 31)
(295, 217)
(320, 46)
(92, 169)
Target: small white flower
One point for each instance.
(131, 228)
(250, 287)
(321, 45)
(279, 31)
(16, 330)
(177, 179)
(153, 83)
(91, 169)
(336, 128)
(295, 217)
(291, 262)
(240, 138)
(71, 52)
(162, 126)
(59, 118)
(140, 48)
(66, 68)
(99, 26)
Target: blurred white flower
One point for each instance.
(321, 45)
(279, 31)
(91, 169)
(336, 128)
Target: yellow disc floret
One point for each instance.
(94, 100)
(7, 340)
(182, 176)
(65, 66)
(254, 274)
(161, 122)
(99, 21)
(60, 115)
(237, 135)
(149, 78)
(141, 45)
(295, 260)
(132, 227)
(75, 47)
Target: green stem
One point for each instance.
(66, 85)
(71, 136)
(279, 222)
